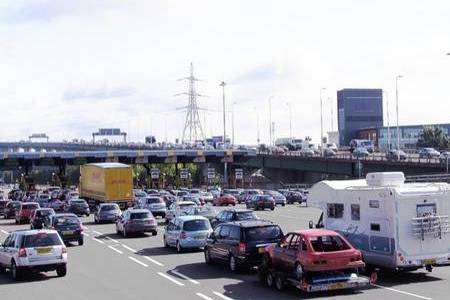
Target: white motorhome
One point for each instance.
(396, 225)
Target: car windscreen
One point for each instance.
(154, 200)
(78, 202)
(29, 206)
(263, 233)
(328, 243)
(66, 220)
(246, 215)
(265, 197)
(196, 225)
(41, 239)
(44, 212)
(108, 208)
(139, 215)
(15, 204)
(186, 206)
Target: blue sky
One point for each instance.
(70, 67)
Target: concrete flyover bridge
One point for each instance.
(297, 168)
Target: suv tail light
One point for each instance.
(242, 248)
(22, 252)
(183, 235)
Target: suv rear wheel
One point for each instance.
(16, 274)
(61, 271)
(233, 264)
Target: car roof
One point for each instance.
(33, 231)
(65, 215)
(316, 232)
(251, 223)
(138, 210)
(186, 202)
(238, 210)
(190, 218)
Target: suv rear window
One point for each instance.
(44, 212)
(154, 200)
(42, 239)
(196, 225)
(29, 206)
(66, 220)
(328, 243)
(108, 207)
(263, 233)
(140, 215)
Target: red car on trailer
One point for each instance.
(313, 260)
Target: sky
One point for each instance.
(70, 67)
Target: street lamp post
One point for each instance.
(257, 126)
(290, 120)
(225, 175)
(270, 120)
(388, 121)
(232, 123)
(396, 108)
(321, 120)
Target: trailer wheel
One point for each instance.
(279, 282)
(269, 279)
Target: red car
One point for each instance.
(25, 212)
(225, 200)
(315, 259)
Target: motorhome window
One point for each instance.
(335, 210)
(374, 227)
(374, 203)
(355, 212)
(425, 210)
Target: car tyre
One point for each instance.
(80, 242)
(165, 242)
(124, 232)
(272, 208)
(154, 233)
(279, 282)
(179, 248)
(208, 259)
(16, 274)
(61, 271)
(269, 279)
(233, 264)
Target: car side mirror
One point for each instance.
(311, 225)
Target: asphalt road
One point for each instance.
(111, 267)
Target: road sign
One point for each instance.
(154, 173)
(239, 174)
(184, 173)
(211, 173)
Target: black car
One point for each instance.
(230, 215)
(11, 209)
(241, 244)
(41, 218)
(78, 207)
(69, 227)
(295, 196)
(3, 204)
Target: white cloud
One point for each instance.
(119, 61)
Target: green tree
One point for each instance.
(433, 136)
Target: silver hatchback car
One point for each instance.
(187, 232)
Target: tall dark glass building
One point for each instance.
(358, 109)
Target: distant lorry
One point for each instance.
(396, 225)
(106, 183)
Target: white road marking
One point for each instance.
(85, 234)
(203, 296)
(170, 278)
(138, 261)
(85, 227)
(222, 296)
(402, 292)
(114, 249)
(4, 231)
(113, 240)
(185, 277)
(154, 261)
(97, 232)
(98, 241)
(128, 248)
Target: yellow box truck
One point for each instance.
(106, 182)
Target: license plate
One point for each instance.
(67, 232)
(429, 261)
(43, 251)
(336, 286)
(261, 250)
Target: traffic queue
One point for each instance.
(327, 256)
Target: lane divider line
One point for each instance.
(185, 277)
(97, 232)
(98, 241)
(203, 296)
(138, 261)
(154, 261)
(222, 296)
(129, 248)
(170, 279)
(4, 231)
(85, 234)
(112, 240)
(114, 249)
(402, 292)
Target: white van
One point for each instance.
(396, 225)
